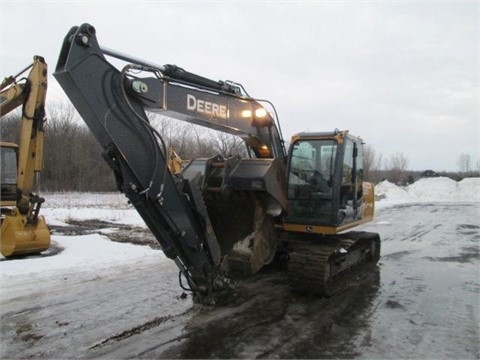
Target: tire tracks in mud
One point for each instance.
(73, 313)
(133, 331)
(263, 319)
(114, 231)
(268, 320)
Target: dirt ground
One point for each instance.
(421, 301)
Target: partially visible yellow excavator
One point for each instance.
(23, 230)
(175, 162)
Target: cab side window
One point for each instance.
(348, 163)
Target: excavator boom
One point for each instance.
(113, 104)
(23, 230)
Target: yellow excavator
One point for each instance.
(215, 215)
(23, 230)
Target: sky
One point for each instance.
(403, 75)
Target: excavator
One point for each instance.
(217, 216)
(23, 230)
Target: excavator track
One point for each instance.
(326, 265)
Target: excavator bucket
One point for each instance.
(18, 237)
(242, 197)
(244, 231)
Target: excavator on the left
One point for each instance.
(23, 230)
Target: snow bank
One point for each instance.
(469, 190)
(85, 253)
(391, 194)
(433, 189)
(428, 190)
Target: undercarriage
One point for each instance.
(324, 265)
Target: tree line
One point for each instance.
(395, 168)
(72, 156)
(73, 160)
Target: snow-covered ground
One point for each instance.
(85, 258)
(93, 251)
(59, 208)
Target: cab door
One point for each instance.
(351, 189)
(311, 182)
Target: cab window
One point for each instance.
(8, 166)
(310, 180)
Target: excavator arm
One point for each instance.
(23, 230)
(31, 93)
(113, 104)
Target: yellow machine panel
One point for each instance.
(23, 230)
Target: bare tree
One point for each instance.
(396, 166)
(227, 145)
(369, 158)
(201, 141)
(464, 163)
(10, 127)
(72, 156)
(380, 163)
(192, 141)
(184, 138)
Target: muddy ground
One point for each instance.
(421, 301)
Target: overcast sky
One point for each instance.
(403, 75)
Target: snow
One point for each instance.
(59, 208)
(436, 190)
(84, 252)
(94, 251)
(387, 194)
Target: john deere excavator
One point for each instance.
(219, 214)
(23, 230)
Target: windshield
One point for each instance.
(8, 166)
(312, 166)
